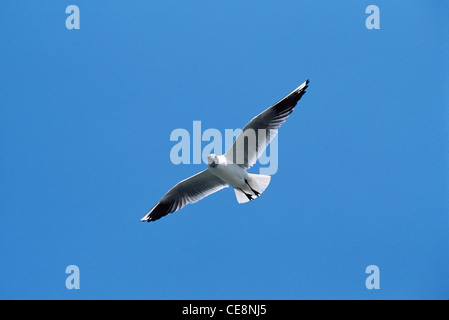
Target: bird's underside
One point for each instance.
(230, 168)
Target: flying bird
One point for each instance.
(230, 169)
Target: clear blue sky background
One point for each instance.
(85, 121)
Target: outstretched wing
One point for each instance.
(190, 190)
(258, 133)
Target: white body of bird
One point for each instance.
(231, 173)
(247, 186)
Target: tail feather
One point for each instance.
(242, 197)
(259, 182)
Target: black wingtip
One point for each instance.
(302, 88)
(161, 209)
(307, 84)
(299, 92)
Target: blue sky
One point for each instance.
(85, 122)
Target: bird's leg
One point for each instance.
(257, 193)
(247, 195)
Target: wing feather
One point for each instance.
(258, 133)
(190, 190)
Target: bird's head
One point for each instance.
(212, 160)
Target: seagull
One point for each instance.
(231, 168)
